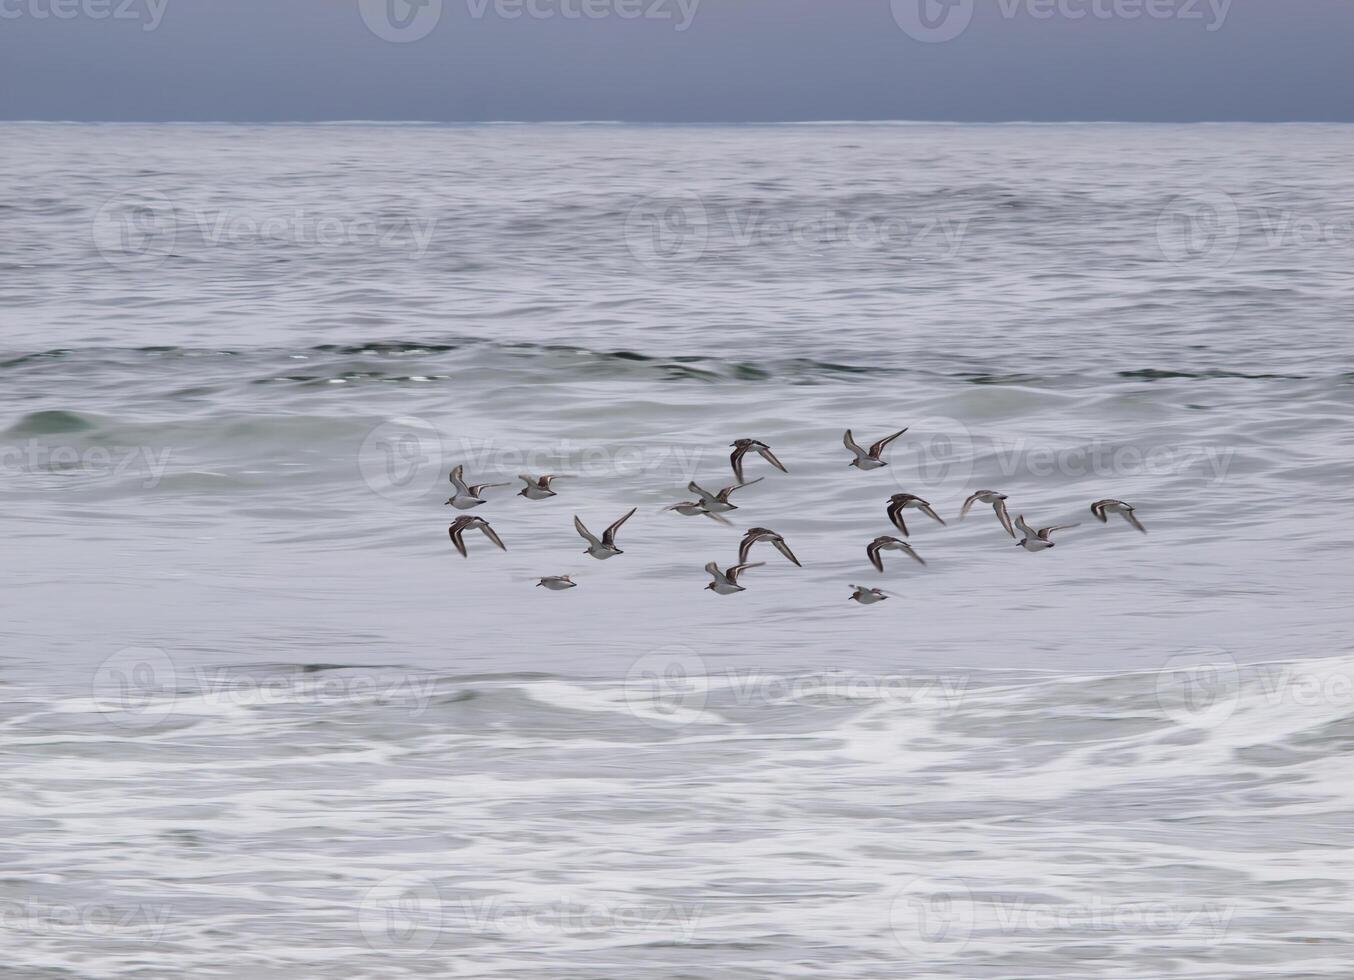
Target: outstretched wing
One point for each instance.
(1045, 532)
(770, 457)
(926, 509)
(876, 559)
(609, 535)
(1025, 529)
(458, 481)
(1132, 518)
(849, 441)
(736, 461)
(882, 444)
(896, 516)
(454, 532)
(913, 555)
(712, 568)
(968, 504)
(1004, 517)
(492, 535)
(1098, 509)
(733, 573)
(583, 532)
(475, 490)
(723, 495)
(745, 546)
(784, 549)
(701, 492)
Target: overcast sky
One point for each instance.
(677, 60)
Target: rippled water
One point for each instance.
(260, 719)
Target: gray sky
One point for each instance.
(677, 60)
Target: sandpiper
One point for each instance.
(998, 502)
(886, 543)
(869, 460)
(606, 547)
(693, 508)
(466, 495)
(557, 583)
(462, 524)
(900, 502)
(755, 534)
(741, 447)
(1038, 540)
(1103, 508)
(867, 596)
(726, 582)
(537, 487)
(718, 503)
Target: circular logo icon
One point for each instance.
(1200, 229)
(932, 458)
(932, 917)
(400, 21)
(401, 914)
(136, 687)
(665, 685)
(1199, 688)
(401, 459)
(136, 230)
(667, 230)
(933, 21)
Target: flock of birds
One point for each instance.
(466, 496)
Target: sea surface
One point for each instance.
(258, 718)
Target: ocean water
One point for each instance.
(261, 720)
